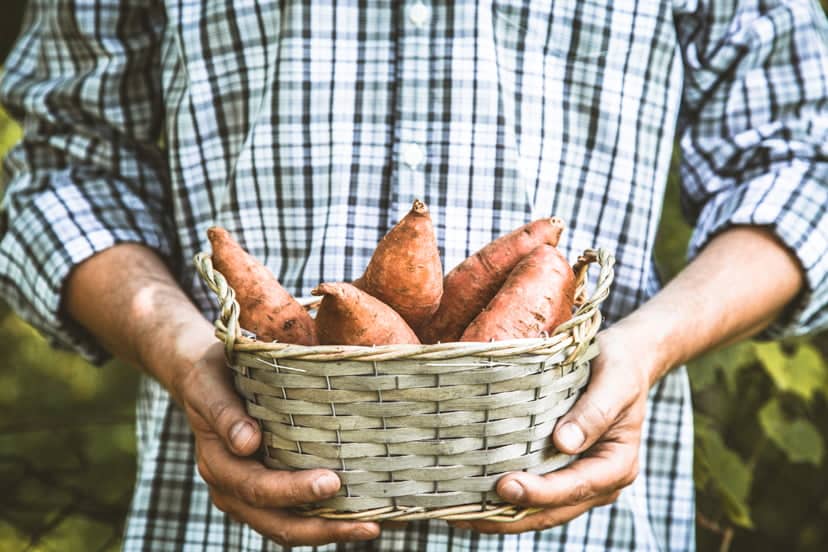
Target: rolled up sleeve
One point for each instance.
(83, 80)
(754, 138)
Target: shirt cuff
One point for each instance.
(792, 204)
(44, 241)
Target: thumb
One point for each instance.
(207, 389)
(590, 417)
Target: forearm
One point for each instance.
(127, 298)
(736, 287)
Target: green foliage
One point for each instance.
(728, 363)
(67, 442)
(765, 403)
(67, 446)
(802, 374)
(798, 438)
(722, 471)
(9, 133)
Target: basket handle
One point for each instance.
(228, 320)
(606, 262)
(588, 307)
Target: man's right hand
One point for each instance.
(127, 298)
(243, 488)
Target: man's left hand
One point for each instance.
(605, 425)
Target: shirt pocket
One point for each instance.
(569, 30)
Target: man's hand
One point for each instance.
(127, 298)
(605, 424)
(737, 286)
(245, 489)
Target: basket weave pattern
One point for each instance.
(414, 431)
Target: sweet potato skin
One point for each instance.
(469, 287)
(405, 271)
(350, 316)
(537, 297)
(265, 307)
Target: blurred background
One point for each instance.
(67, 451)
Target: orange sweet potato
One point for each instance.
(473, 283)
(405, 270)
(349, 316)
(265, 307)
(537, 296)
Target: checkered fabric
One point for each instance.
(307, 128)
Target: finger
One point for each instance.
(596, 410)
(258, 486)
(207, 389)
(609, 467)
(289, 529)
(536, 522)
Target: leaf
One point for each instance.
(737, 512)
(730, 361)
(798, 439)
(703, 426)
(725, 471)
(701, 376)
(733, 360)
(10, 133)
(803, 374)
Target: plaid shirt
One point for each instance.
(307, 129)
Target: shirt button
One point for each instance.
(418, 14)
(412, 155)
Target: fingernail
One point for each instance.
(571, 436)
(513, 491)
(241, 433)
(325, 485)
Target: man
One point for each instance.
(308, 128)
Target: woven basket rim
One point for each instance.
(230, 332)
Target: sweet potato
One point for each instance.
(405, 270)
(536, 297)
(350, 316)
(473, 283)
(265, 307)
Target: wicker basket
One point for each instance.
(414, 431)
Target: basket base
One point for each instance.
(504, 513)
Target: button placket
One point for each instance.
(411, 131)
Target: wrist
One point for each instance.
(169, 335)
(173, 349)
(648, 344)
